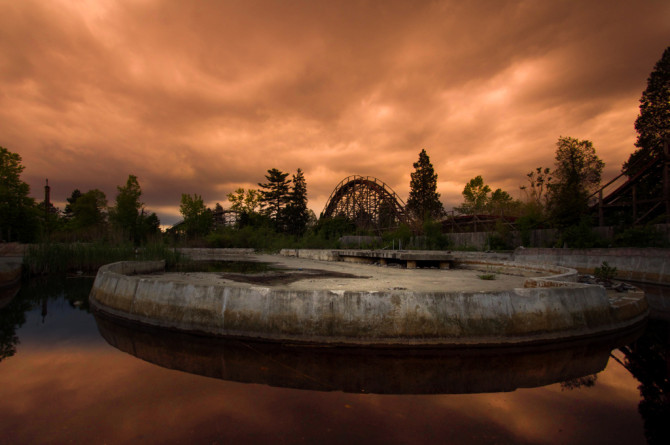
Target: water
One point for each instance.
(62, 381)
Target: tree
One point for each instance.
(125, 213)
(244, 201)
(540, 182)
(198, 219)
(476, 200)
(274, 196)
(502, 203)
(18, 213)
(149, 225)
(88, 210)
(577, 175)
(297, 214)
(68, 213)
(653, 122)
(424, 201)
(475, 196)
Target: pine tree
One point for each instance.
(297, 214)
(275, 197)
(653, 123)
(424, 201)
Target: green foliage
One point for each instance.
(653, 122)
(605, 272)
(198, 219)
(487, 276)
(577, 175)
(68, 213)
(540, 182)
(125, 213)
(50, 258)
(531, 219)
(476, 200)
(501, 238)
(88, 210)
(436, 240)
(128, 216)
(19, 215)
(646, 236)
(296, 212)
(275, 196)
(400, 237)
(475, 196)
(424, 201)
(244, 201)
(580, 236)
(334, 228)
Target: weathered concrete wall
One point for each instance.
(389, 317)
(213, 254)
(312, 254)
(645, 265)
(538, 238)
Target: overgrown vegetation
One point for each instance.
(605, 273)
(58, 258)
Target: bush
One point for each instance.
(639, 237)
(605, 272)
(580, 236)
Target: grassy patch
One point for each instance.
(487, 276)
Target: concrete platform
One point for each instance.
(340, 303)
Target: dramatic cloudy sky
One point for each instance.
(204, 97)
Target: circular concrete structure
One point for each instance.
(357, 304)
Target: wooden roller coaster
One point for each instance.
(636, 198)
(367, 201)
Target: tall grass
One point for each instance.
(50, 258)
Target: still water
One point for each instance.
(69, 377)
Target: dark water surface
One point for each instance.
(67, 377)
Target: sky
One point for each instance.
(204, 97)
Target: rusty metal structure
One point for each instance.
(367, 201)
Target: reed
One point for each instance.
(54, 258)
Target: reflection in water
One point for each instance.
(8, 293)
(12, 316)
(66, 384)
(380, 371)
(16, 301)
(648, 359)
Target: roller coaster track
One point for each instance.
(367, 201)
(621, 191)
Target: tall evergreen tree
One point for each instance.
(297, 214)
(653, 123)
(68, 213)
(424, 201)
(275, 196)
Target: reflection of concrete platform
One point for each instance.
(10, 271)
(363, 305)
(380, 371)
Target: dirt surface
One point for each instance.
(285, 276)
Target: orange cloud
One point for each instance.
(204, 98)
